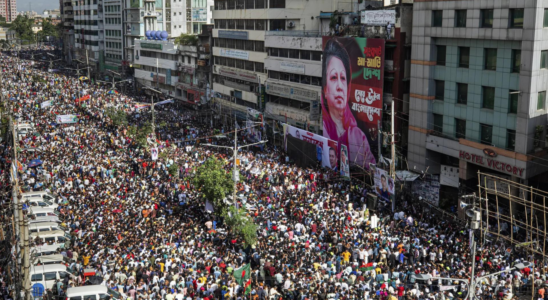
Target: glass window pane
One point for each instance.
(486, 134)
(490, 59)
(294, 53)
(516, 61)
(50, 275)
(541, 100)
(317, 55)
(513, 105)
(36, 277)
(460, 18)
(260, 4)
(464, 57)
(462, 93)
(283, 52)
(546, 17)
(544, 59)
(486, 16)
(305, 54)
(274, 52)
(440, 55)
(259, 67)
(250, 24)
(259, 46)
(510, 139)
(488, 97)
(249, 4)
(460, 126)
(438, 123)
(516, 18)
(440, 89)
(437, 18)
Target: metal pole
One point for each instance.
(472, 291)
(393, 154)
(87, 64)
(153, 123)
(235, 171)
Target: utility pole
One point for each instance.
(235, 174)
(87, 64)
(393, 153)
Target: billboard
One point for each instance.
(199, 14)
(307, 146)
(384, 184)
(351, 98)
(378, 17)
(345, 167)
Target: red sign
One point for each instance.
(491, 163)
(86, 97)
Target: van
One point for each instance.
(46, 275)
(43, 211)
(44, 250)
(93, 292)
(55, 237)
(24, 129)
(43, 214)
(45, 226)
(41, 199)
(51, 259)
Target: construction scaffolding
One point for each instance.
(514, 213)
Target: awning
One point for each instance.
(403, 175)
(325, 15)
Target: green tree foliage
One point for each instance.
(118, 116)
(23, 28)
(173, 169)
(48, 29)
(139, 134)
(187, 40)
(215, 183)
(242, 225)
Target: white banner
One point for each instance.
(326, 149)
(46, 104)
(449, 176)
(154, 153)
(378, 17)
(238, 54)
(66, 119)
(292, 67)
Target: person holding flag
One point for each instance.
(243, 278)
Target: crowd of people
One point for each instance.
(146, 232)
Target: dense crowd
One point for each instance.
(145, 230)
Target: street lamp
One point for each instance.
(152, 107)
(473, 281)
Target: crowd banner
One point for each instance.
(66, 119)
(345, 167)
(154, 153)
(46, 104)
(351, 98)
(308, 146)
(86, 97)
(384, 184)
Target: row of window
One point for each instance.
(248, 4)
(113, 45)
(304, 79)
(515, 18)
(113, 20)
(489, 58)
(160, 55)
(112, 8)
(88, 42)
(487, 95)
(240, 64)
(290, 102)
(257, 46)
(86, 22)
(87, 32)
(109, 32)
(113, 56)
(84, 2)
(240, 24)
(486, 132)
(159, 70)
(91, 12)
(295, 53)
(247, 86)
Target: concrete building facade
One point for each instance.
(8, 9)
(152, 57)
(478, 88)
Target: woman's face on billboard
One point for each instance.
(336, 88)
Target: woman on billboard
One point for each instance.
(339, 123)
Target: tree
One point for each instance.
(140, 134)
(186, 40)
(118, 116)
(48, 29)
(242, 225)
(215, 183)
(23, 28)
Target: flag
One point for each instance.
(243, 277)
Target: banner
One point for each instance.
(46, 104)
(154, 153)
(86, 97)
(345, 167)
(325, 150)
(384, 184)
(378, 17)
(351, 100)
(66, 119)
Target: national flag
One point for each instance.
(243, 277)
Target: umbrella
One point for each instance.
(112, 92)
(35, 163)
(82, 78)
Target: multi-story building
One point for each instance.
(478, 89)
(67, 19)
(8, 9)
(111, 36)
(155, 65)
(87, 14)
(198, 13)
(239, 51)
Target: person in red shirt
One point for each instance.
(401, 290)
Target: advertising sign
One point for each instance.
(168, 76)
(292, 67)
(378, 17)
(66, 119)
(351, 98)
(46, 104)
(291, 92)
(384, 184)
(345, 167)
(238, 54)
(235, 35)
(237, 74)
(326, 149)
(314, 111)
(199, 14)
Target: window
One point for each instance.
(510, 139)
(464, 57)
(544, 59)
(273, 74)
(277, 24)
(488, 94)
(317, 55)
(516, 18)
(513, 102)
(260, 4)
(249, 4)
(486, 18)
(36, 277)
(546, 17)
(460, 18)
(240, 24)
(486, 134)
(440, 89)
(438, 123)
(250, 24)
(460, 128)
(537, 137)
(490, 59)
(305, 54)
(274, 52)
(462, 93)
(516, 60)
(259, 67)
(90, 297)
(50, 275)
(277, 3)
(541, 100)
(294, 53)
(283, 52)
(440, 55)
(437, 18)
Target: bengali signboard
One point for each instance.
(290, 92)
(352, 88)
(292, 67)
(235, 35)
(237, 74)
(378, 17)
(238, 54)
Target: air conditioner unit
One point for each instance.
(291, 24)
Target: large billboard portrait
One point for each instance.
(352, 86)
(384, 184)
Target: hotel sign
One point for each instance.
(491, 163)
